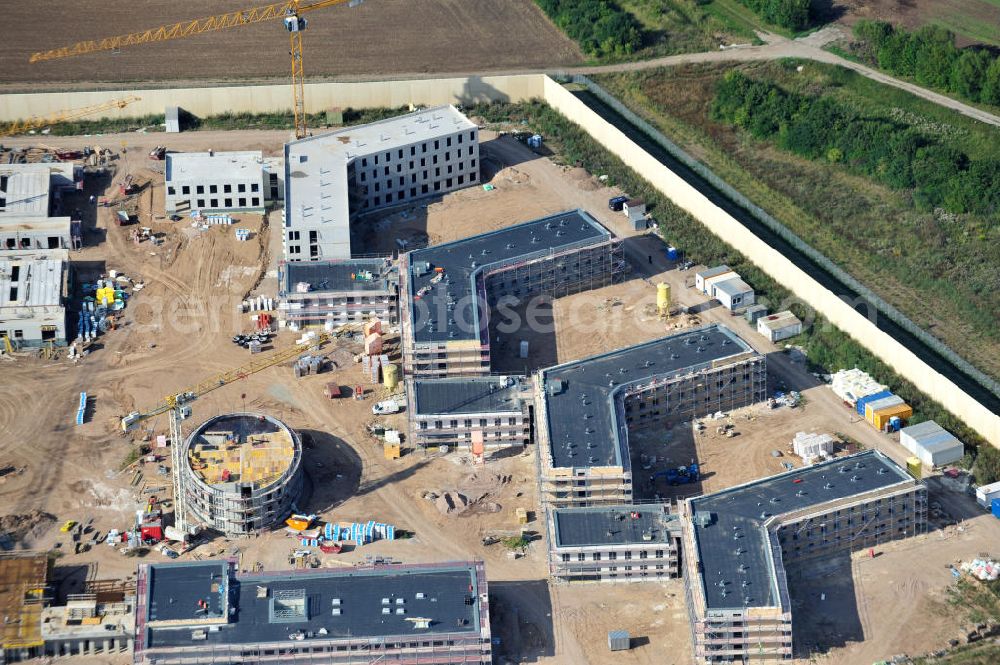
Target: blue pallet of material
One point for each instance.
(390, 532)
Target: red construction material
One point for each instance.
(331, 548)
(332, 391)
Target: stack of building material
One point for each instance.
(934, 445)
(373, 344)
(812, 447)
(81, 411)
(852, 384)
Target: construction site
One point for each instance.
(413, 391)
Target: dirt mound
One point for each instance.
(33, 524)
(451, 503)
(456, 503)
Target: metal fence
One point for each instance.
(786, 234)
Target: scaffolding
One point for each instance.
(23, 596)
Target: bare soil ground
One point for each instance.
(376, 38)
(176, 331)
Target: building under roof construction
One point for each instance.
(243, 473)
(204, 612)
(586, 407)
(446, 290)
(738, 541)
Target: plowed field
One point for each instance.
(380, 37)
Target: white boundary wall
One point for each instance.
(268, 98)
(826, 302)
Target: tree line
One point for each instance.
(930, 57)
(791, 14)
(886, 150)
(600, 27)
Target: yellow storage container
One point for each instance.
(914, 466)
(881, 417)
(663, 298)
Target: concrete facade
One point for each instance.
(33, 290)
(39, 233)
(331, 293)
(215, 182)
(332, 178)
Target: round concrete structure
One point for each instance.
(243, 472)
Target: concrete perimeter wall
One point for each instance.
(826, 302)
(268, 98)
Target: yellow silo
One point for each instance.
(663, 298)
(390, 376)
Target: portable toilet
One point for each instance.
(995, 506)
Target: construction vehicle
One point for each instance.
(22, 126)
(158, 153)
(290, 12)
(682, 475)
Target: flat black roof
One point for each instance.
(336, 275)
(175, 589)
(614, 525)
(484, 394)
(583, 421)
(462, 260)
(347, 603)
(739, 513)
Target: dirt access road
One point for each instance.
(378, 38)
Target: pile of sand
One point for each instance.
(32, 524)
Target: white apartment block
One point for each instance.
(219, 182)
(332, 178)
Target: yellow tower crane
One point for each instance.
(290, 13)
(22, 126)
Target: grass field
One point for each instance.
(378, 37)
(939, 269)
(974, 21)
(685, 26)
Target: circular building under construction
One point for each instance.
(243, 473)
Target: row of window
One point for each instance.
(401, 194)
(228, 203)
(453, 424)
(241, 188)
(613, 556)
(413, 165)
(387, 156)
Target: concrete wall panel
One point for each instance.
(268, 98)
(829, 304)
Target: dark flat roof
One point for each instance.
(335, 275)
(175, 589)
(486, 394)
(583, 419)
(439, 593)
(742, 511)
(463, 259)
(614, 525)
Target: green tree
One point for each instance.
(968, 73)
(987, 466)
(990, 92)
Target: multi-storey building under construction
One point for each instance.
(587, 407)
(446, 291)
(737, 543)
(243, 473)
